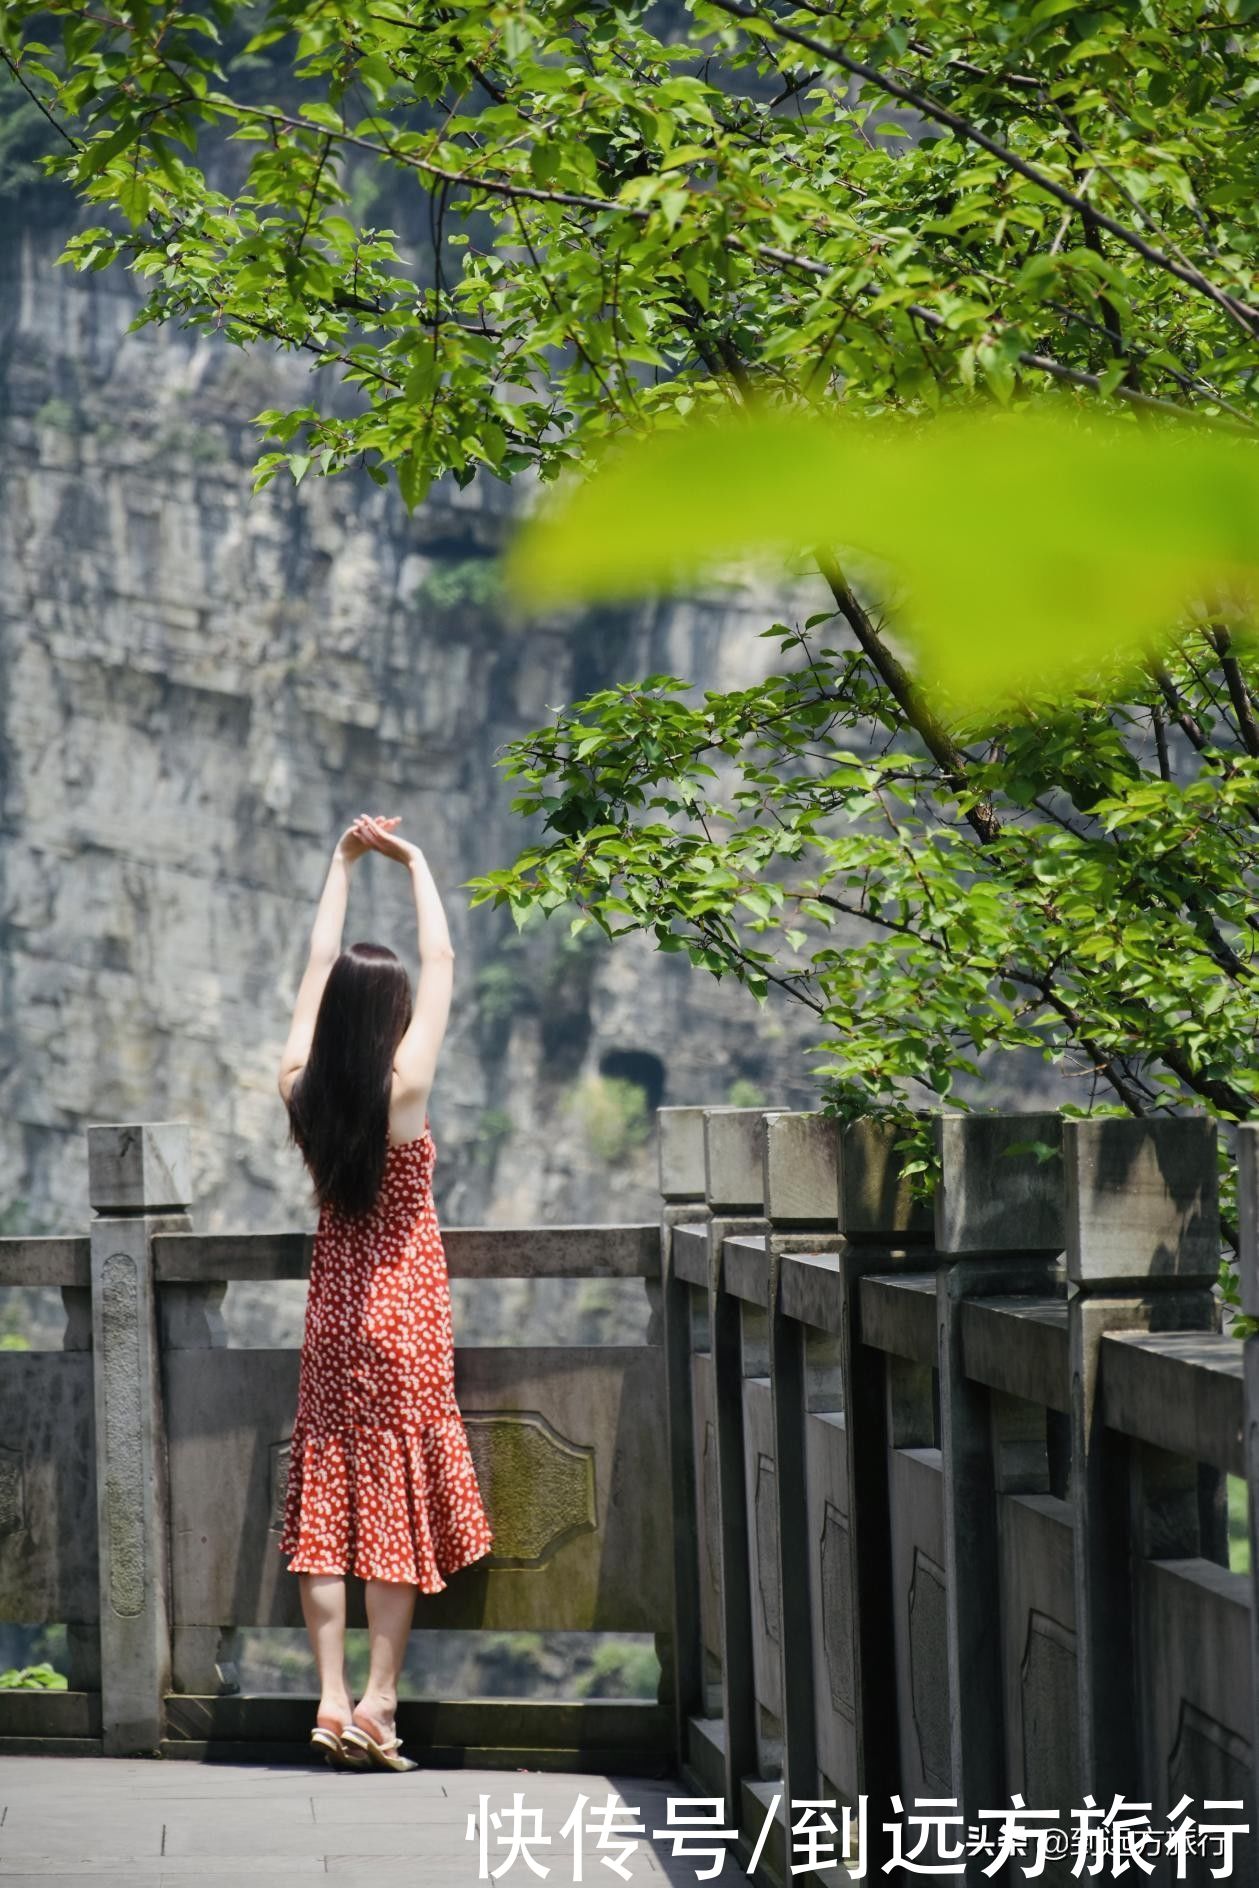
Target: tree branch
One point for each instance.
(1246, 317)
(1221, 642)
(899, 684)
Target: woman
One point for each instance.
(381, 1481)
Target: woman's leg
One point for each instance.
(390, 1604)
(323, 1607)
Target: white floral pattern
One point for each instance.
(381, 1480)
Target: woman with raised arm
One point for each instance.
(381, 1481)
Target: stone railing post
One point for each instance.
(1143, 1254)
(801, 1200)
(885, 1229)
(734, 1194)
(138, 1185)
(83, 1637)
(1248, 1263)
(680, 1148)
(999, 1228)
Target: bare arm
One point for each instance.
(325, 933)
(415, 1059)
(325, 948)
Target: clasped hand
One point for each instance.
(375, 834)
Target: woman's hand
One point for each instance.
(377, 834)
(355, 841)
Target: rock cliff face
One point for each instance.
(202, 687)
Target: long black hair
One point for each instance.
(339, 1105)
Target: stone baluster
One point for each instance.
(734, 1194)
(138, 1185)
(680, 1148)
(886, 1229)
(1143, 1254)
(999, 1228)
(801, 1200)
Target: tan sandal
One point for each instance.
(383, 1752)
(331, 1744)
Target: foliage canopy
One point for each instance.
(616, 216)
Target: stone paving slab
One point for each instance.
(149, 1824)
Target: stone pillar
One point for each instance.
(998, 1229)
(801, 1199)
(83, 1637)
(733, 1190)
(1143, 1253)
(885, 1229)
(1248, 1264)
(680, 1147)
(138, 1186)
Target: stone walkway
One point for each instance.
(136, 1823)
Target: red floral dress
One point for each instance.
(381, 1482)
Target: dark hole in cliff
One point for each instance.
(636, 1065)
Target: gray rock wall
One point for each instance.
(201, 688)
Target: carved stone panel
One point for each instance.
(1210, 1763)
(708, 1567)
(568, 1454)
(1048, 1679)
(766, 1518)
(124, 1436)
(929, 1668)
(837, 1620)
(711, 1514)
(537, 1486)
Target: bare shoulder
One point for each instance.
(408, 1107)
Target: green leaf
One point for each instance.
(135, 196)
(317, 113)
(1091, 537)
(414, 479)
(101, 150)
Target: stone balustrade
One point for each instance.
(949, 1476)
(919, 1498)
(143, 1471)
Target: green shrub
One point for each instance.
(494, 1127)
(466, 583)
(61, 416)
(515, 1664)
(33, 1678)
(621, 1670)
(613, 1112)
(500, 992)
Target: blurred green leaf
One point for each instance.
(1035, 546)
